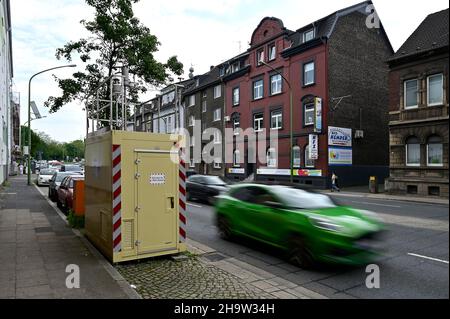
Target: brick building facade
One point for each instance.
(419, 111)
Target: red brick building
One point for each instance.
(337, 62)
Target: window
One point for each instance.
(272, 52)
(258, 122)
(192, 120)
(308, 162)
(204, 106)
(411, 94)
(217, 164)
(205, 94)
(217, 137)
(235, 96)
(259, 57)
(308, 73)
(235, 67)
(275, 84)
(296, 155)
(309, 112)
(217, 91)
(308, 35)
(138, 122)
(435, 90)
(434, 191)
(222, 71)
(169, 125)
(258, 89)
(192, 141)
(236, 158)
(236, 126)
(434, 151)
(413, 151)
(276, 120)
(191, 100)
(271, 157)
(217, 115)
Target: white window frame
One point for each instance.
(217, 91)
(217, 165)
(217, 115)
(205, 94)
(217, 137)
(272, 52)
(442, 155)
(204, 106)
(308, 160)
(237, 158)
(259, 120)
(299, 149)
(236, 129)
(406, 157)
(237, 89)
(313, 31)
(313, 72)
(442, 89)
(259, 88)
(405, 92)
(235, 67)
(274, 115)
(191, 121)
(278, 84)
(191, 100)
(309, 110)
(260, 57)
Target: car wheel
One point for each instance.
(299, 253)
(224, 227)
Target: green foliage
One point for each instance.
(42, 144)
(75, 221)
(116, 36)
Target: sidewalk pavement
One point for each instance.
(36, 246)
(363, 192)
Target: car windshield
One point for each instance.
(60, 177)
(72, 168)
(297, 198)
(213, 180)
(47, 172)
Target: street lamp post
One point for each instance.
(29, 114)
(291, 132)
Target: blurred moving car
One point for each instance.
(55, 182)
(205, 187)
(64, 199)
(44, 176)
(310, 227)
(71, 168)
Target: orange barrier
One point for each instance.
(78, 198)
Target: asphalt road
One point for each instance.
(416, 232)
(414, 265)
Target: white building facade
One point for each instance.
(6, 74)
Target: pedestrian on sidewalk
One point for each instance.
(334, 183)
(21, 169)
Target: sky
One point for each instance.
(201, 33)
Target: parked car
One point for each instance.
(205, 187)
(309, 227)
(44, 176)
(55, 182)
(71, 168)
(65, 192)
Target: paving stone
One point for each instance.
(30, 292)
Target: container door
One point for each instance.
(156, 203)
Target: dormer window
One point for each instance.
(235, 67)
(259, 57)
(222, 71)
(272, 52)
(308, 35)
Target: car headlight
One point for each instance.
(325, 224)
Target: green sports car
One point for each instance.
(310, 227)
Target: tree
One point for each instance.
(117, 37)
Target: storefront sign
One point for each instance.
(318, 115)
(340, 156)
(287, 172)
(236, 171)
(338, 136)
(313, 146)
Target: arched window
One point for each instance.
(412, 151)
(271, 157)
(237, 158)
(296, 156)
(434, 151)
(308, 162)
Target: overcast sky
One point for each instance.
(201, 32)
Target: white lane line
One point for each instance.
(198, 206)
(375, 204)
(8, 193)
(429, 258)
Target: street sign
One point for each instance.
(318, 115)
(25, 150)
(37, 114)
(313, 146)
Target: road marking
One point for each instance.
(8, 193)
(429, 258)
(384, 205)
(198, 206)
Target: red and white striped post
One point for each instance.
(182, 196)
(117, 200)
